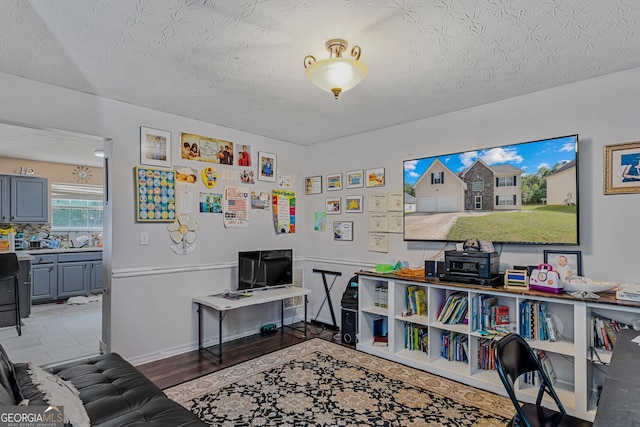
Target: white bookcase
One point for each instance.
(578, 373)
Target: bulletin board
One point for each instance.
(155, 195)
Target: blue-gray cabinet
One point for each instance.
(44, 277)
(95, 285)
(24, 199)
(71, 274)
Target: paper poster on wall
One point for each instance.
(378, 202)
(379, 222)
(284, 211)
(210, 202)
(247, 176)
(260, 200)
(319, 221)
(395, 202)
(285, 180)
(229, 174)
(236, 207)
(378, 242)
(206, 149)
(155, 195)
(185, 200)
(396, 222)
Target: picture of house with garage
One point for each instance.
(480, 187)
(449, 204)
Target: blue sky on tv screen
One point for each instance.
(528, 156)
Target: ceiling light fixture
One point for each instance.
(336, 74)
(98, 153)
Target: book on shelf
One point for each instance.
(536, 322)
(454, 310)
(547, 366)
(500, 315)
(380, 296)
(455, 346)
(604, 332)
(380, 341)
(486, 354)
(416, 337)
(416, 300)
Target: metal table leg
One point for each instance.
(305, 316)
(200, 348)
(221, 318)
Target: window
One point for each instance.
(478, 184)
(437, 178)
(506, 181)
(76, 206)
(506, 200)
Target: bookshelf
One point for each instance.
(579, 373)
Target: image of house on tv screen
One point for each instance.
(524, 193)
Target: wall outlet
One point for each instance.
(144, 238)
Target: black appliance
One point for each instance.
(479, 268)
(349, 303)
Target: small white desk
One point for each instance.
(258, 296)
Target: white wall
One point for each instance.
(152, 312)
(151, 287)
(602, 111)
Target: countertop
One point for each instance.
(27, 255)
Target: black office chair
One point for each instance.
(514, 357)
(10, 270)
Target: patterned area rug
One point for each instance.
(321, 383)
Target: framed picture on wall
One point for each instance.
(355, 179)
(334, 182)
(375, 177)
(313, 185)
(622, 168)
(353, 204)
(266, 166)
(150, 184)
(343, 230)
(155, 147)
(333, 206)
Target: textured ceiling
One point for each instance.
(239, 63)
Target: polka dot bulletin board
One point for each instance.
(155, 195)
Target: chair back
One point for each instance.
(514, 357)
(9, 266)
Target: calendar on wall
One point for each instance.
(155, 195)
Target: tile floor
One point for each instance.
(55, 333)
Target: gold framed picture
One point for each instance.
(622, 168)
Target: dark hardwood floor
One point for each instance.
(184, 367)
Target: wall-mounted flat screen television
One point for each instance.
(266, 268)
(525, 193)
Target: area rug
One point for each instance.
(321, 383)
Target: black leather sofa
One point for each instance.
(113, 392)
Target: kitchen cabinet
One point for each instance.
(73, 279)
(44, 277)
(95, 285)
(24, 199)
(66, 274)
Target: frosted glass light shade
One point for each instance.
(336, 75)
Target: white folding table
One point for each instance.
(258, 296)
